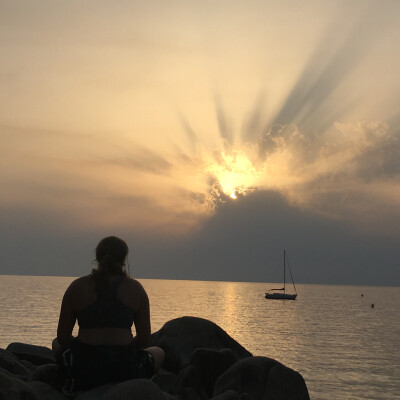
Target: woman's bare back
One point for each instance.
(82, 293)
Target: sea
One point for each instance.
(344, 340)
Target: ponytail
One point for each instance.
(111, 253)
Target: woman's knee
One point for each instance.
(158, 355)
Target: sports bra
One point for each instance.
(107, 311)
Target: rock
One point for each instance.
(28, 365)
(45, 373)
(94, 394)
(165, 380)
(37, 355)
(181, 336)
(210, 364)
(8, 373)
(43, 391)
(190, 394)
(11, 363)
(246, 376)
(284, 383)
(188, 378)
(263, 379)
(12, 388)
(202, 362)
(227, 395)
(136, 389)
(245, 396)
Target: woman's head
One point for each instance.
(112, 249)
(111, 253)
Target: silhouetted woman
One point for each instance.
(106, 304)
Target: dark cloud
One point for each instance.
(243, 241)
(38, 243)
(381, 161)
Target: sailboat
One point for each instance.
(283, 296)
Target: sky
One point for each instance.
(210, 135)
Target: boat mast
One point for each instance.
(284, 271)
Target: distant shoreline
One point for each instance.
(216, 281)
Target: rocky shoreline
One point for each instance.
(202, 362)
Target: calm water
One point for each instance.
(343, 348)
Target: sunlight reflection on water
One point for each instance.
(343, 348)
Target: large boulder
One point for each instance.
(285, 383)
(13, 388)
(37, 355)
(93, 394)
(228, 395)
(209, 364)
(47, 373)
(132, 389)
(136, 389)
(263, 379)
(180, 337)
(189, 385)
(12, 364)
(44, 391)
(165, 380)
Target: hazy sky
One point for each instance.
(208, 134)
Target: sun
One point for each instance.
(234, 172)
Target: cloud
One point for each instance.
(138, 159)
(132, 185)
(334, 59)
(313, 167)
(242, 241)
(253, 126)
(190, 133)
(346, 172)
(223, 124)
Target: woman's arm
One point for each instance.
(142, 322)
(67, 319)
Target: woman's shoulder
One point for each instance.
(80, 283)
(133, 283)
(82, 280)
(134, 289)
(133, 294)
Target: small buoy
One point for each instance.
(372, 305)
(362, 295)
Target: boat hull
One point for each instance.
(280, 296)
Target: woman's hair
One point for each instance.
(111, 253)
